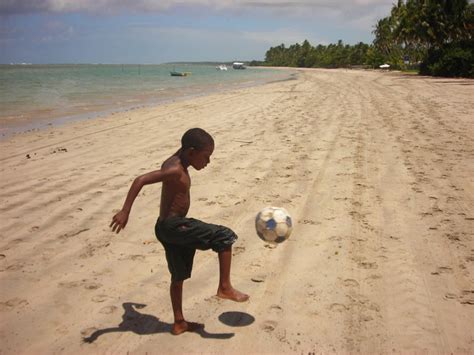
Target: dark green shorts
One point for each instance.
(181, 237)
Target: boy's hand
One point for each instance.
(119, 221)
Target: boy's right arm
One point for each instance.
(119, 221)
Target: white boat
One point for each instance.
(221, 67)
(238, 65)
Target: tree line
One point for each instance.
(434, 37)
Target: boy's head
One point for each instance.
(198, 145)
(196, 138)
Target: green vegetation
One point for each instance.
(306, 56)
(435, 37)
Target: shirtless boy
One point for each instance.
(179, 235)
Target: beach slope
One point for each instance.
(376, 169)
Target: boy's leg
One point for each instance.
(180, 325)
(225, 289)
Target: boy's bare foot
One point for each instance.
(232, 294)
(183, 326)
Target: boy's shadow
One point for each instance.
(145, 324)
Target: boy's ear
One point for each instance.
(189, 150)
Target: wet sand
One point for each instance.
(376, 169)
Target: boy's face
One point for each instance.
(200, 158)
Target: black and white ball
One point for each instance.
(273, 224)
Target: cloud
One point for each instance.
(287, 7)
(279, 36)
(11, 7)
(267, 38)
(200, 44)
(54, 31)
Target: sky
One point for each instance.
(160, 31)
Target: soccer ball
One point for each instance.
(273, 224)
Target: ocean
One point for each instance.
(35, 96)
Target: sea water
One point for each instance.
(32, 96)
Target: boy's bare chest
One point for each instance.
(182, 184)
(185, 181)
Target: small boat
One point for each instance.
(180, 73)
(238, 65)
(222, 67)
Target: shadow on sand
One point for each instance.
(146, 324)
(236, 319)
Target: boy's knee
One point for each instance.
(224, 241)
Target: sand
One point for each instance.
(376, 168)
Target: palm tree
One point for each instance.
(429, 23)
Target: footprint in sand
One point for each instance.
(68, 235)
(237, 250)
(135, 257)
(442, 270)
(88, 252)
(92, 285)
(12, 304)
(373, 278)
(269, 326)
(88, 285)
(450, 296)
(467, 297)
(258, 278)
(350, 283)
(88, 331)
(338, 307)
(63, 330)
(70, 284)
(108, 310)
(365, 318)
(311, 292)
(308, 221)
(453, 237)
(368, 265)
(15, 267)
(276, 308)
(100, 298)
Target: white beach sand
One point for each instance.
(377, 170)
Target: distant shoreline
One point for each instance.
(159, 89)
